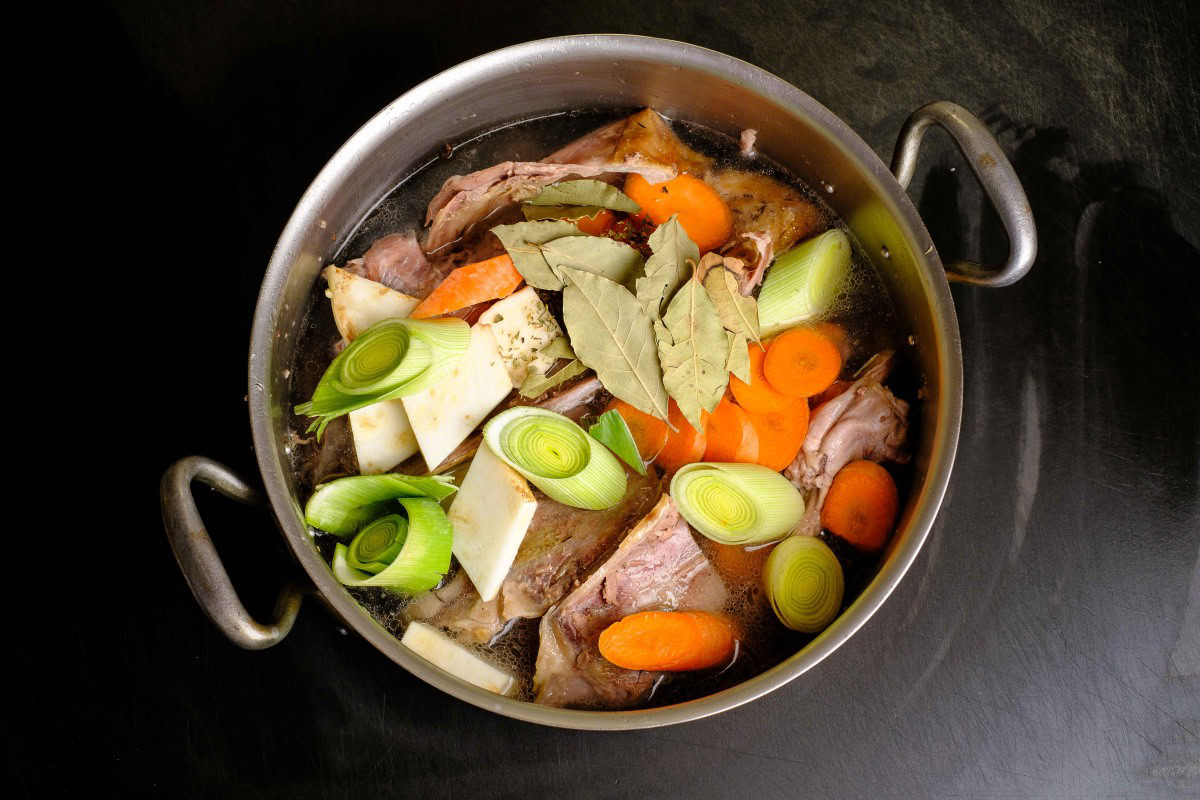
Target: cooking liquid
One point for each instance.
(862, 308)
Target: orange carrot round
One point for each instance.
(758, 396)
(838, 335)
(649, 432)
(861, 506)
(471, 284)
(802, 362)
(597, 225)
(685, 445)
(780, 434)
(702, 212)
(668, 641)
(731, 437)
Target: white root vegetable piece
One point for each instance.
(446, 413)
(522, 326)
(358, 303)
(434, 646)
(383, 436)
(490, 513)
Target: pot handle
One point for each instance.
(200, 563)
(994, 173)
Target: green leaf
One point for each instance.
(738, 314)
(536, 385)
(340, 506)
(739, 357)
(694, 362)
(585, 193)
(612, 431)
(612, 335)
(558, 348)
(523, 241)
(560, 212)
(598, 255)
(667, 269)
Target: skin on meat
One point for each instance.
(768, 217)
(657, 567)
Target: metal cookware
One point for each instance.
(682, 81)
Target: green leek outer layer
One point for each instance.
(737, 504)
(423, 560)
(378, 544)
(612, 431)
(804, 583)
(341, 506)
(557, 456)
(392, 358)
(803, 282)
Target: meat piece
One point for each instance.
(658, 566)
(865, 421)
(769, 216)
(561, 546)
(754, 251)
(398, 262)
(465, 200)
(642, 143)
(746, 142)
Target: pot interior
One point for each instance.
(614, 72)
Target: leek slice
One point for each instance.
(341, 506)
(737, 504)
(392, 358)
(423, 560)
(803, 282)
(378, 544)
(612, 431)
(557, 456)
(805, 584)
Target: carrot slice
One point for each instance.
(802, 362)
(702, 212)
(597, 225)
(685, 445)
(731, 437)
(838, 335)
(758, 395)
(780, 434)
(668, 641)
(471, 284)
(649, 432)
(861, 506)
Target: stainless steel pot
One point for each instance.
(685, 82)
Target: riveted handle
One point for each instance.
(994, 173)
(200, 563)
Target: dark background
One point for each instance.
(1046, 643)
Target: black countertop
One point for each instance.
(1046, 643)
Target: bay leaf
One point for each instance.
(694, 364)
(612, 335)
(739, 357)
(738, 314)
(586, 192)
(560, 212)
(537, 385)
(557, 348)
(598, 255)
(675, 256)
(523, 241)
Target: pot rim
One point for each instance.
(750, 78)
